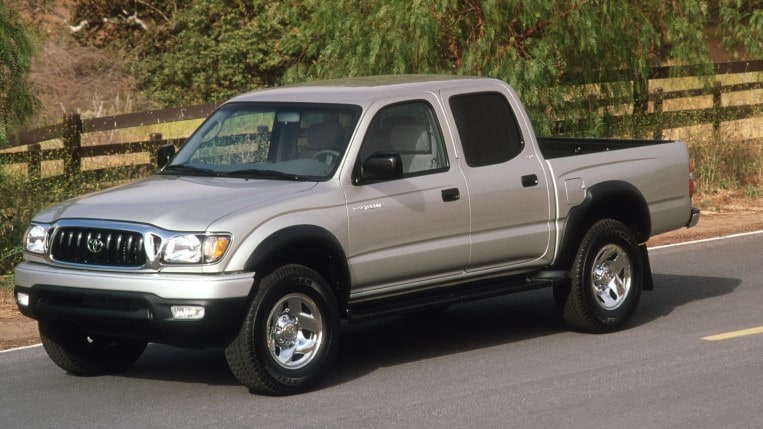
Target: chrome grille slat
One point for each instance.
(114, 247)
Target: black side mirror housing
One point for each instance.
(379, 167)
(164, 154)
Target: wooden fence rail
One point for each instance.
(71, 130)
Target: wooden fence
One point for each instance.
(72, 128)
(654, 122)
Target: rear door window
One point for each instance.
(487, 127)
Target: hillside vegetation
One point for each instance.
(111, 56)
(105, 57)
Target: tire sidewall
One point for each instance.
(301, 281)
(601, 234)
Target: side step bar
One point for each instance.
(454, 294)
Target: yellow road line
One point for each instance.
(735, 334)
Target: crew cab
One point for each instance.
(292, 208)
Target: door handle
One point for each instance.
(529, 180)
(452, 194)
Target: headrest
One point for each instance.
(413, 138)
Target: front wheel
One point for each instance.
(289, 335)
(87, 355)
(605, 280)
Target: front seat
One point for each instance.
(413, 143)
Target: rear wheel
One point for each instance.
(289, 335)
(605, 280)
(87, 355)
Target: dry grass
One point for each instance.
(735, 162)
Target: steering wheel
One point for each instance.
(327, 156)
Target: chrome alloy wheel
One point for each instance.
(611, 276)
(294, 331)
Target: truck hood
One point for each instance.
(174, 203)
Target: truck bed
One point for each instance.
(558, 147)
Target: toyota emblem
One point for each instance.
(95, 245)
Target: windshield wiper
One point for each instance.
(263, 174)
(187, 168)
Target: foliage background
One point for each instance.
(102, 57)
(17, 103)
(211, 49)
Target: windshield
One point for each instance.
(287, 141)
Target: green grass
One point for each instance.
(6, 282)
(754, 192)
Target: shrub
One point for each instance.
(21, 198)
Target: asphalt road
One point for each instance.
(508, 362)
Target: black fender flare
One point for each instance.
(614, 199)
(308, 245)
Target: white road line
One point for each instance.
(20, 348)
(706, 240)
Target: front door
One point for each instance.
(407, 232)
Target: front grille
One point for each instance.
(94, 246)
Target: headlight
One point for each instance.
(36, 239)
(195, 249)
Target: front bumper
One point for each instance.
(170, 286)
(136, 305)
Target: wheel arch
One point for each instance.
(307, 245)
(615, 199)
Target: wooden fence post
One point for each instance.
(658, 98)
(640, 104)
(72, 144)
(34, 164)
(154, 139)
(717, 112)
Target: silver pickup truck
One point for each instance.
(290, 209)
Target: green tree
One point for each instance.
(741, 23)
(549, 51)
(215, 49)
(557, 54)
(17, 103)
(197, 51)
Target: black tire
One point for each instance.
(606, 279)
(85, 355)
(277, 352)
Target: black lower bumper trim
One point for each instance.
(141, 316)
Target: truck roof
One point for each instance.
(359, 90)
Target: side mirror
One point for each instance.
(164, 154)
(381, 166)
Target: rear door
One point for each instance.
(510, 197)
(407, 232)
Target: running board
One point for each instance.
(444, 296)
